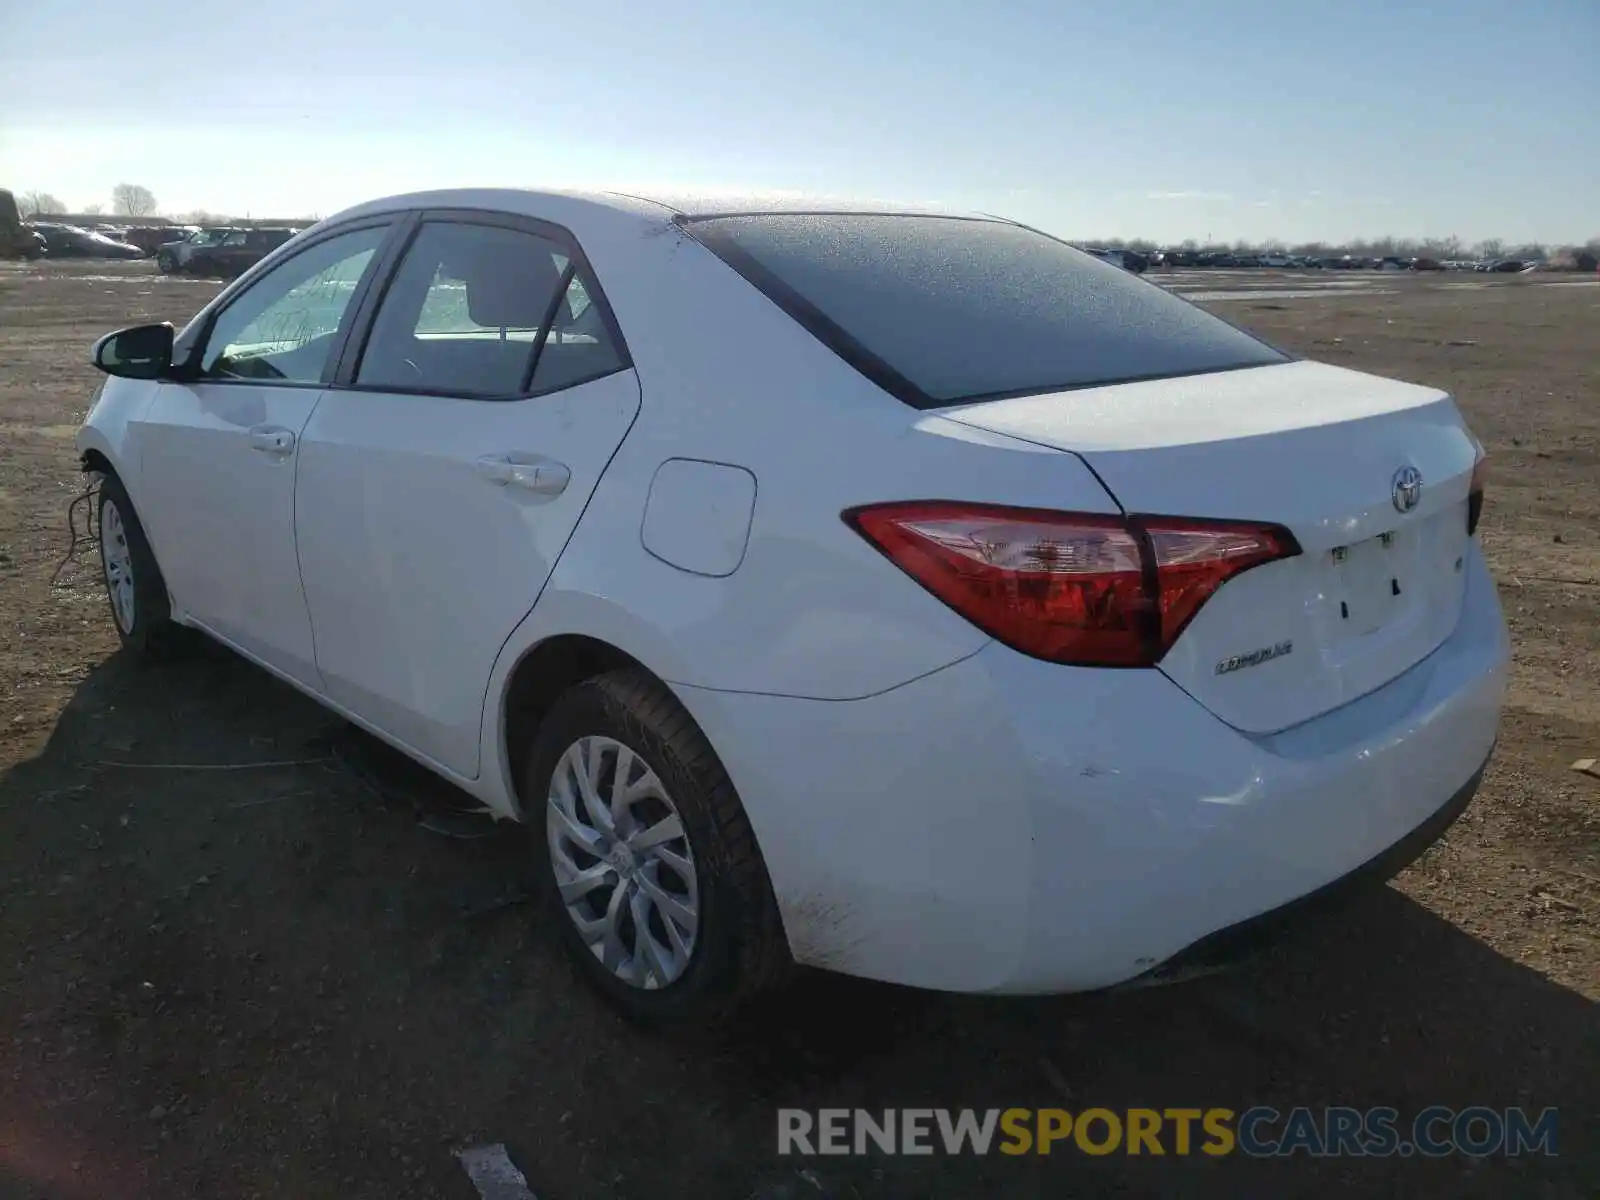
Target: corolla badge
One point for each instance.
(1255, 658)
(1407, 488)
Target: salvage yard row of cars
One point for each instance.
(1139, 262)
(224, 251)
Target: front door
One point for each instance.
(218, 453)
(437, 492)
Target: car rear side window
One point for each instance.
(486, 312)
(941, 310)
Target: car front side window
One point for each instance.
(284, 326)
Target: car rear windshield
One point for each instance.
(944, 310)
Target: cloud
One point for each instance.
(1188, 195)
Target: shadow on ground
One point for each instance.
(273, 981)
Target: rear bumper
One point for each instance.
(1006, 825)
(1243, 939)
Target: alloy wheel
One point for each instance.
(118, 562)
(622, 862)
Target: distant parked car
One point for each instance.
(173, 258)
(1276, 260)
(17, 238)
(236, 253)
(68, 241)
(1128, 260)
(26, 243)
(150, 238)
(1507, 265)
(1426, 264)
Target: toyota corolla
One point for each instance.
(888, 590)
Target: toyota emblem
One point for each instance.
(1407, 488)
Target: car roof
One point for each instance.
(693, 204)
(646, 206)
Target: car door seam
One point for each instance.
(555, 565)
(294, 531)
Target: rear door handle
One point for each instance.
(529, 473)
(269, 439)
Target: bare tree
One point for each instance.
(1491, 248)
(39, 204)
(93, 210)
(132, 200)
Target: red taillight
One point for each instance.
(1077, 588)
(1480, 476)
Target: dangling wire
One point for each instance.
(91, 525)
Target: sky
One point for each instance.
(1261, 120)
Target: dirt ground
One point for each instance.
(276, 982)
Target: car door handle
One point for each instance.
(542, 476)
(271, 440)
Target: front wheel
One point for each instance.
(646, 860)
(140, 608)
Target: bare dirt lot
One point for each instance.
(275, 982)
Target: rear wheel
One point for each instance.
(134, 585)
(646, 861)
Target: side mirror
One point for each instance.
(139, 352)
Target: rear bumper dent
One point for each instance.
(1242, 940)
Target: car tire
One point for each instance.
(693, 973)
(135, 588)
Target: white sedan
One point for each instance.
(897, 592)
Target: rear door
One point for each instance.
(440, 482)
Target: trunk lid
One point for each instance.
(1317, 449)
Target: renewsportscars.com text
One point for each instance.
(1259, 1132)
